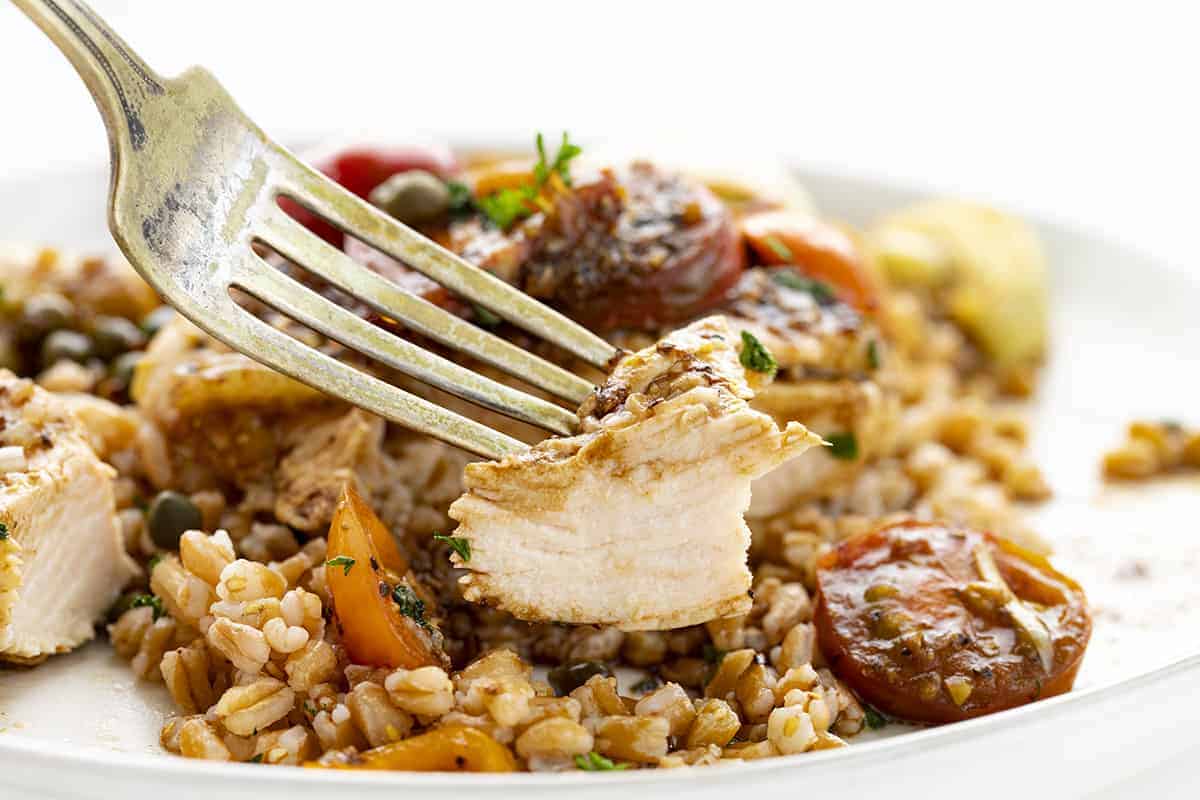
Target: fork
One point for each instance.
(194, 188)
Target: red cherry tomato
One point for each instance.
(362, 167)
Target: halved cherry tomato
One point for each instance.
(818, 249)
(365, 565)
(362, 167)
(937, 624)
(450, 748)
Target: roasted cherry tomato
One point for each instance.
(360, 168)
(365, 566)
(819, 250)
(936, 624)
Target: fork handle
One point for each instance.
(119, 81)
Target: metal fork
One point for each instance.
(195, 185)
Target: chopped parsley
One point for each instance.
(873, 354)
(409, 604)
(594, 762)
(757, 357)
(507, 206)
(792, 279)
(3, 531)
(457, 544)
(155, 604)
(713, 655)
(843, 445)
(255, 759)
(345, 562)
(461, 202)
(153, 562)
(779, 248)
(310, 708)
(874, 719)
(485, 318)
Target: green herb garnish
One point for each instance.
(757, 357)
(345, 562)
(3, 531)
(594, 762)
(153, 562)
(843, 445)
(255, 759)
(794, 280)
(409, 604)
(155, 604)
(779, 248)
(485, 318)
(713, 655)
(461, 202)
(507, 206)
(873, 354)
(457, 544)
(873, 718)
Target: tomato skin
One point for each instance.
(361, 167)
(898, 617)
(818, 249)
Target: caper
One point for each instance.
(45, 313)
(412, 197)
(171, 514)
(113, 336)
(123, 367)
(153, 322)
(70, 345)
(569, 677)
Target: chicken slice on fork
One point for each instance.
(637, 521)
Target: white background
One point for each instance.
(1086, 111)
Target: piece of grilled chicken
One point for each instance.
(637, 521)
(62, 561)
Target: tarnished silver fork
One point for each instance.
(195, 185)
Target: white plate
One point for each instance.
(80, 727)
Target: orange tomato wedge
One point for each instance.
(819, 250)
(450, 748)
(374, 631)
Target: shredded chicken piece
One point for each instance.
(62, 562)
(639, 518)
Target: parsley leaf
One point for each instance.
(507, 206)
(461, 202)
(154, 603)
(755, 356)
(873, 354)
(255, 759)
(457, 544)
(594, 762)
(713, 655)
(874, 719)
(3, 531)
(409, 604)
(345, 562)
(485, 318)
(779, 248)
(843, 445)
(153, 562)
(792, 279)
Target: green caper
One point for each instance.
(172, 514)
(569, 677)
(153, 322)
(412, 197)
(113, 336)
(122, 369)
(70, 345)
(45, 313)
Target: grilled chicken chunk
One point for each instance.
(637, 521)
(62, 562)
(831, 380)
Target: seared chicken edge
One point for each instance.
(637, 521)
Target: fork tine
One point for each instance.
(296, 243)
(307, 307)
(360, 219)
(243, 331)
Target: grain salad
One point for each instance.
(793, 511)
